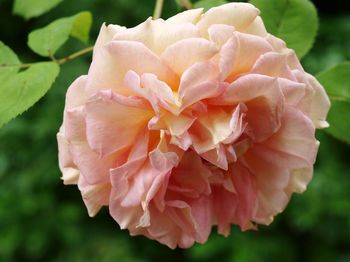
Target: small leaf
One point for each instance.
(7, 57)
(33, 8)
(46, 41)
(81, 26)
(207, 4)
(24, 89)
(294, 21)
(337, 84)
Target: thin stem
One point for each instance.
(75, 55)
(186, 3)
(58, 61)
(158, 9)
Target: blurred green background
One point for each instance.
(42, 220)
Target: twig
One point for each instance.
(75, 55)
(158, 9)
(58, 61)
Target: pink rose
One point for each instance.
(203, 119)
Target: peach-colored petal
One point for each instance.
(93, 168)
(189, 16)
(220, 33)
(134, 186)
(70, 173)
(106, 34)
(94, 196)
(110, 65)
(74, 124)
(299, 179)
(293, 92)
(210, 129)
(113, 121)
(256, 28)
(296, 138)
(240, 53)
(157, 35)
(198, 74)
(148, 86)
(320, 103)
(217, 157)
(273, 64)
(192, 185)
(176, 125)
(76, 95)
(238, 15)
(184, 53)
(265, 103)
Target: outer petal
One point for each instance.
(273, 64)
(94, 196)
(320, 103)
(282, 164)
(94, 169)
(110, 65)
(157, 35)
(113, 121)
(70, 173)
(239, 15)
(189, 16)
(296, 138)
(76, 95)
(257, 28)
(106, 34)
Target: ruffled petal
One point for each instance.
(94, 196)
(110, 65)
(182, 54)
(113, 121)
(238, 15)
(158, 34)
(240, 53)
(264, 102)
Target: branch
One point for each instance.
(158, 9)
(58, 61)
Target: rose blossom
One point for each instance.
(202, 119)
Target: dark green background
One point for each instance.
(42, 220)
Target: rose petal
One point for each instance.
(184, 53)
(110, 65)
(157, 35)
(238, 15)
(189, 16)
(113, 121)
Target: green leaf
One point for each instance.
(33, 8)
(207, 4)
(294, 21)
(24, 89)
(46, 41)
(337, 84)
(7, 57)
